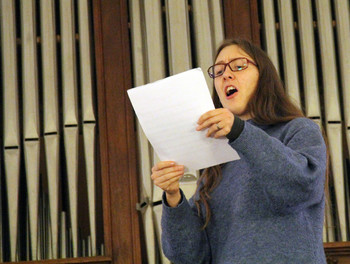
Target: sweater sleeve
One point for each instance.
(290, 170)
(183, 239)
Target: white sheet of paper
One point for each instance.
(168, 111)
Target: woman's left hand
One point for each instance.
(219, 121)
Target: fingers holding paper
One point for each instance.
(218, 121)
(166, 175)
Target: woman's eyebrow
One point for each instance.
(230, 59)
(223, 61)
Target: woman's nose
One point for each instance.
(228, 74)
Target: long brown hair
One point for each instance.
(270, 104)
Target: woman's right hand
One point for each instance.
(166, 175)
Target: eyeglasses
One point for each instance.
(237, 64)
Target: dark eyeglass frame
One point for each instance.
(213, 76)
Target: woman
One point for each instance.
(266, 207)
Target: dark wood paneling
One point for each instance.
(337, 249)
(91, 260)
(117, 133)
(241, 19)
(102, 126)
(337, 252)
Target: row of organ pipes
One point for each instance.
(200, 22)
(62, 233)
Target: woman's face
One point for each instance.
(243, 82)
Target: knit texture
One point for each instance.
(268, 207)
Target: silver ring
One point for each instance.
(217, 126)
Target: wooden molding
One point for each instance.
(241, 20)
(337, 249)
(117, 133)
(92, 260)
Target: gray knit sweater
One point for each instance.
(268, 207)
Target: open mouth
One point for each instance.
(230, 90)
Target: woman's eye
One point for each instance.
(218, 71)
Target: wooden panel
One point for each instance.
(241, 19)
(93, 260)
(338, 250)
(291, 79)
(270, 36)
(116, 124)
(307, 43)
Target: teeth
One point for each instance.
(230, 90)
